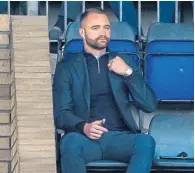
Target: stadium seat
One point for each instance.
(3, 7)
(174, 137)
(169, 61)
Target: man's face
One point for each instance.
(95, 31)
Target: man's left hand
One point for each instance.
(118, 65)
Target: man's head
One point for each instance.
(95, 29)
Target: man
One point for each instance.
(91, 93)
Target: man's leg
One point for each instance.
(77, 150)
(143, 154)
(135, 149)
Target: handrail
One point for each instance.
(139, 20)
(47, 9)
(102, 4)
(121, 11)
(65, 15)
(158, 11)
(176, 12)
(8, 7)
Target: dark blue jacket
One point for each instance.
(71, 92)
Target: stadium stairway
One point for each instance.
(27, 141)
(7, 122)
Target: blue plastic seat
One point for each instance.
(169, 61)
(173, 135)
(3, 7)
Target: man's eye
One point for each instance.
(95, 28)
(107, 27)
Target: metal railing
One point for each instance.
(140, 35)
(27, 7)
(121, 14)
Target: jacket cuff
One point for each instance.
(80, 127)
(132, 77)
(127, 78)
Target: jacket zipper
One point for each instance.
(98, 62)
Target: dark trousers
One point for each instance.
(136, 149)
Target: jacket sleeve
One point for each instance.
(143, 96)
(64, 115)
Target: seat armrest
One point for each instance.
(60, 132)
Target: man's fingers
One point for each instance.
(101, 128)
(110, 63)
(98, 125)
(94, 136)
(96, 131)
(98, 122)
(110, 68)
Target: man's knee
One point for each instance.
(143, 141)
(71, 143)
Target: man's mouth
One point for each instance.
(102, 39)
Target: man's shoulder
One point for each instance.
(69, 58)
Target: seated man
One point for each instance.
(91, 103)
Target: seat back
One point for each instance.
(173, 135)
(119, 42)
(169, 61)
(3, 7)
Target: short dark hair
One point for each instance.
(94, 10)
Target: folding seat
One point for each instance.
(169, 61)
(169, 70)
(174, 137)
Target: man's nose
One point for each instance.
(103, 31)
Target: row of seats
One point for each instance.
(168, 69)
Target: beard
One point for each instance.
(97, 43)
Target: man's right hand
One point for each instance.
(94, 130)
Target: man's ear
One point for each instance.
(81, 32)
